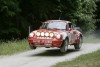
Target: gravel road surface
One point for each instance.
(45, 57)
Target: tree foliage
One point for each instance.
(98, 14)
(8, 10)
(17, 15)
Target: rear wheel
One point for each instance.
(79, 44)
(64, 46)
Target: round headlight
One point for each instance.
(31, 35)
(47, 34)
(51, 34)
(58, 36)
(38, 33)
(42, 33)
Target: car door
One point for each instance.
(72, 33)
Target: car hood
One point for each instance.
(51, 31)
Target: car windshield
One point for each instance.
(55, 25)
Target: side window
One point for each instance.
(71, 26)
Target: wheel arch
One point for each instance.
(65, 39)
(81, 37)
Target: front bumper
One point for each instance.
(45, 42)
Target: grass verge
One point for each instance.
(13, 47)
(87, 60)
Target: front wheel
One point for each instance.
(64, 46)
(79, 44)
(32, 47)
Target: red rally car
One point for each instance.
(56, 33)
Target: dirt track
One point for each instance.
(43, 57)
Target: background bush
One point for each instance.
(17, 15)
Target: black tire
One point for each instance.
(79, 44)
(64, 46)
(32, 47)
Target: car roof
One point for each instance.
(50, 21)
